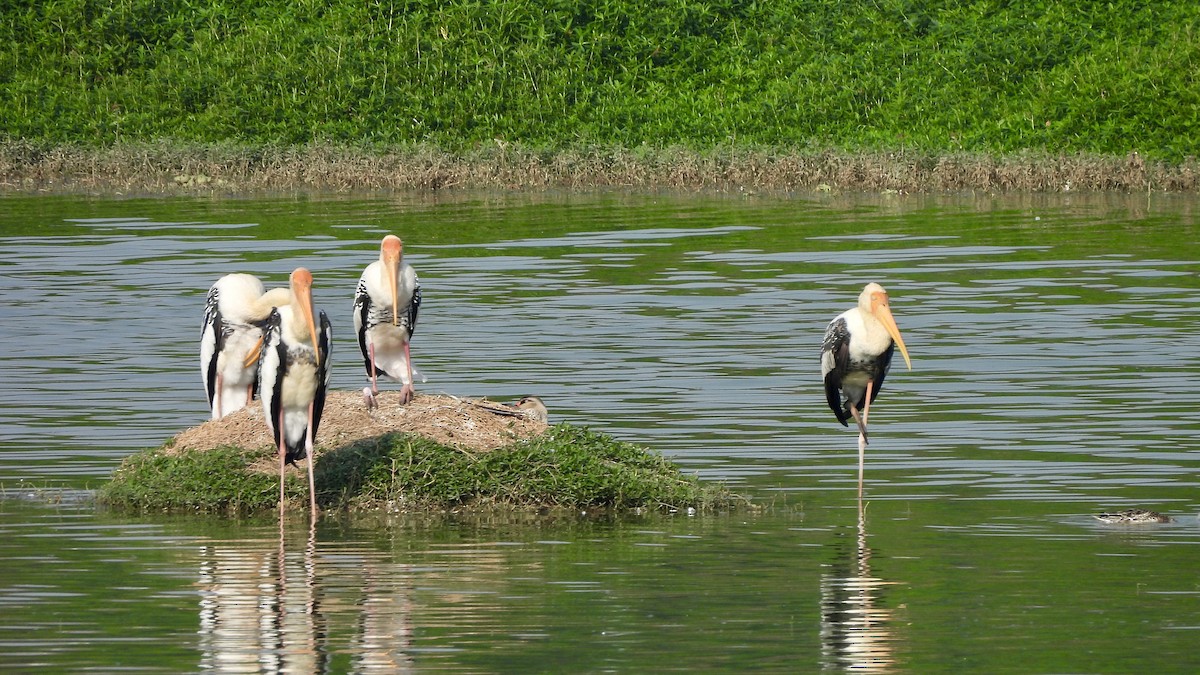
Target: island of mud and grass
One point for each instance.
(437, 454)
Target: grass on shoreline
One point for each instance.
(566, 467)
(227, 168)
(937, 77)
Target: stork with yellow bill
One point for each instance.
(294, 372)
(855, 357)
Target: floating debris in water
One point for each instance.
(1132, 516)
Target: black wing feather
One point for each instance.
(326, 338)
(837, 344)
(275, 341)
(412, 308)
(882, 365)
(362, 305)
(212, 317)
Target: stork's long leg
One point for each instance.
(217, 411)
(867, 402)
(862, 453)
(862, 436)
(407, 391)
(308, 441)
(282, 457)
(374, 386)
(369, 392)
(860, 420)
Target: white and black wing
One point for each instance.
(414, 305)
(362, 320)
(212, 341)
(323, 349)
(835, 361)
(271, 364)
(879, 370)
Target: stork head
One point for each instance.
(301, 285)
(391, 253)
(874, 301)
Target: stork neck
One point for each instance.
(276, 297)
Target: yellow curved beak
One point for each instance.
(301, 282)
(253, 354)
(392, 251)
(881, 310)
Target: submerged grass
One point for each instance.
(567, 467)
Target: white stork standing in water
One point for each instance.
(385, 315)
(234, 314)
(855, 357)
(294, 372)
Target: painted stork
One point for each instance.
(294, 372)
(234, 315)
(534, 409)
(385, 315)
(855, 357)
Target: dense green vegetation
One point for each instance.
(565, 467)
(990, 77)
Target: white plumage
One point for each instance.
(386, 303)
(295, 375)
(234, 314)
(856, 355)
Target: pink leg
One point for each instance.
(368, 393)
(374, 385)
(308, 444)
(862, 437)
(216, 411)
(859, 420)
(282, 456)
(407, 391)
(867, 402)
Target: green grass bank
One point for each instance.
(565, 468)
(795, 93)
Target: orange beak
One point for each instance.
(253, 355)
(391, 253)
(301, 282)
(881, 310)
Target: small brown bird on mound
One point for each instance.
(534, 409)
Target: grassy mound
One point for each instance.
(566, 467)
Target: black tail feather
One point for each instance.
(295, 453)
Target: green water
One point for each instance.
(1053, 343)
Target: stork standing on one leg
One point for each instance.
(234, 314)
(295, 373)
(385, 315)
(855, 357)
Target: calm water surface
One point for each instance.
(1053, 341)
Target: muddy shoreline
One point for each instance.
(163, 168)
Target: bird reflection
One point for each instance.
(264, 609)
(855, 631)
